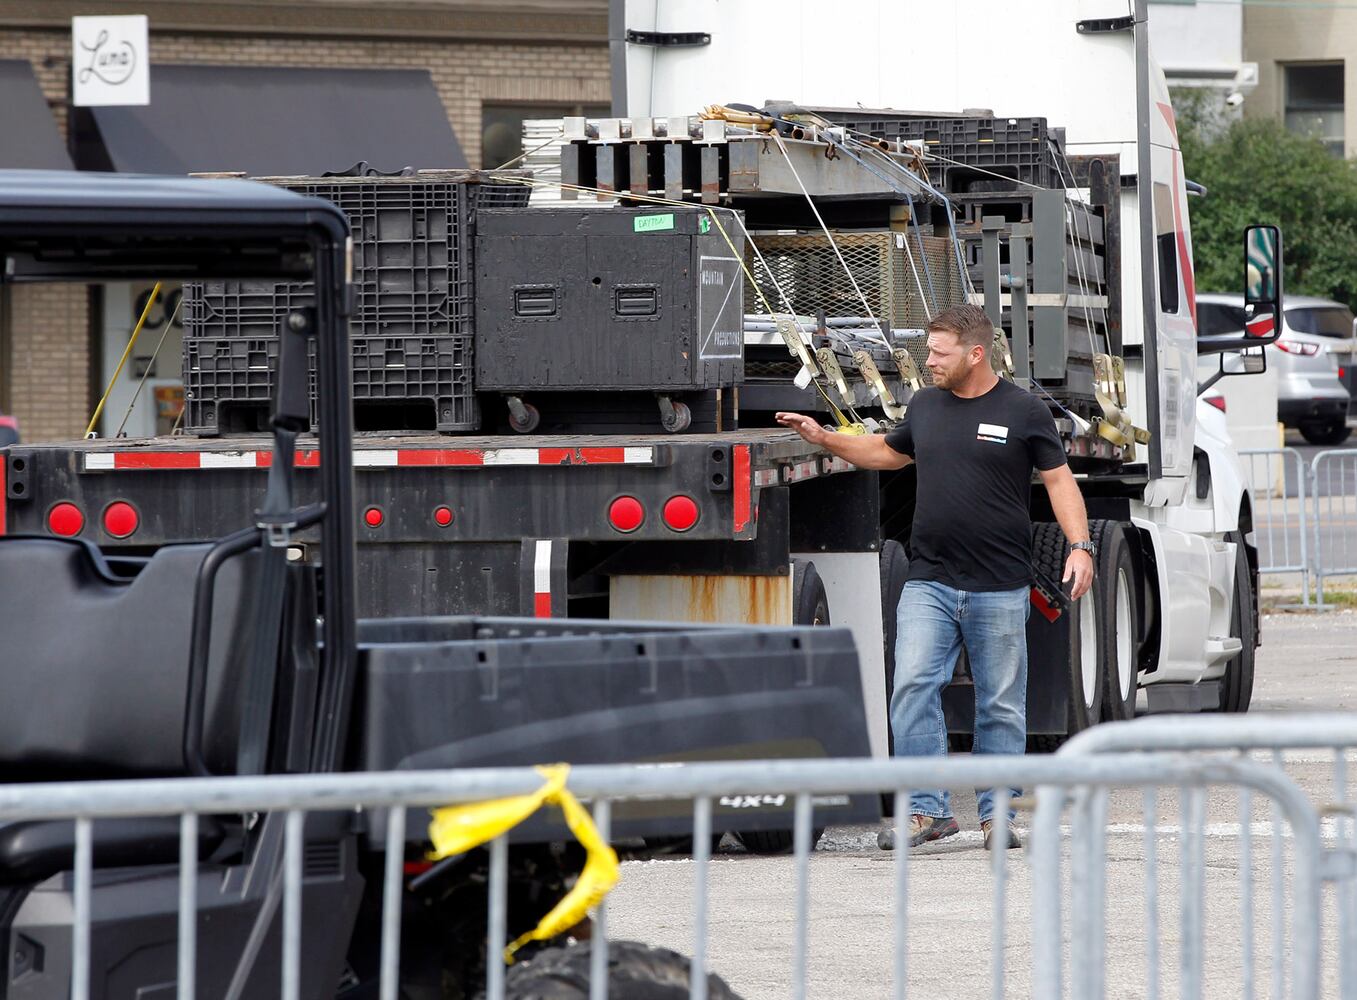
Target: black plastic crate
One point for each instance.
(500, 195)
(228, 384)
(399, 383)
(412, 271)
(395, 377)
(974, 153)
(251, 309)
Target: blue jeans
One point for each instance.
(932, 622)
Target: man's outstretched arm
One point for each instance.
(1068, 504)
(866, 451)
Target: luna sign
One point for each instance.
(109, 61)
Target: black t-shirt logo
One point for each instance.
(997, 433)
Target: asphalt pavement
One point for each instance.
(1307, 663)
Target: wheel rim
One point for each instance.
(1088, 649)
(1126, 673)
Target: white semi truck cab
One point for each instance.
(1174, 626)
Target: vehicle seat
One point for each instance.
(33, 851)
(94, 673)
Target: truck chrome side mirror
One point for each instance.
(1262, 294)
(1263, 282)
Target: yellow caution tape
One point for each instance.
(458, 829)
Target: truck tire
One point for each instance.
(1236, 686)
(1085, 689)
(1114, 590)
(635, 972)
(894, 570)
(810, 603)
(1326, 432)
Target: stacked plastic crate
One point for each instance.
(966, 154)
(411, 328)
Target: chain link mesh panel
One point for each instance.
(903, 278)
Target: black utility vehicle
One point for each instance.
(228, 658)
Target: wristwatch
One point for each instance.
(1088, 547)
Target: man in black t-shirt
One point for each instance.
(975, 440)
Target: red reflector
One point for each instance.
(373, 517)
(626, 514)
(120, 519)
(66, 520)
(442, 516)
(1260, 326)
(1217, 401)
(1342, 372)
(1049, 611)
(680, 513)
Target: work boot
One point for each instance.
(986, 827)
(921, 829)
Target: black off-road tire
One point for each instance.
(1085, 688)
(635, 972)
(1236, 687)
(1114, 591)
(679, 844)
(774, 841)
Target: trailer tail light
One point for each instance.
(120, 519)
(626, 514)
(442, 516)
(1298, 347)
(1217, 401)
(680, 513)
(373, 517)
(66, 520)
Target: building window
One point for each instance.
(1314, 103)
(502, 127)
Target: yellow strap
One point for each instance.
(150, 301)
(458, 829)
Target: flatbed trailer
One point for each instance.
(749, 526)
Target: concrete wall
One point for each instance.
(1274, 37)
(1192, 40)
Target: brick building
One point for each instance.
(491, 63)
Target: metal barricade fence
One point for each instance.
(1333, 483)
(1248, 736)
(1089, 778)
(1278, 485)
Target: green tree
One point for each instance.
(1256, 171)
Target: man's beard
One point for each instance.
(944, 379)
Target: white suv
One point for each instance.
(1315, 359)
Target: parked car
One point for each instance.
(9, 430)
(1336, 324)
(1315, 358)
